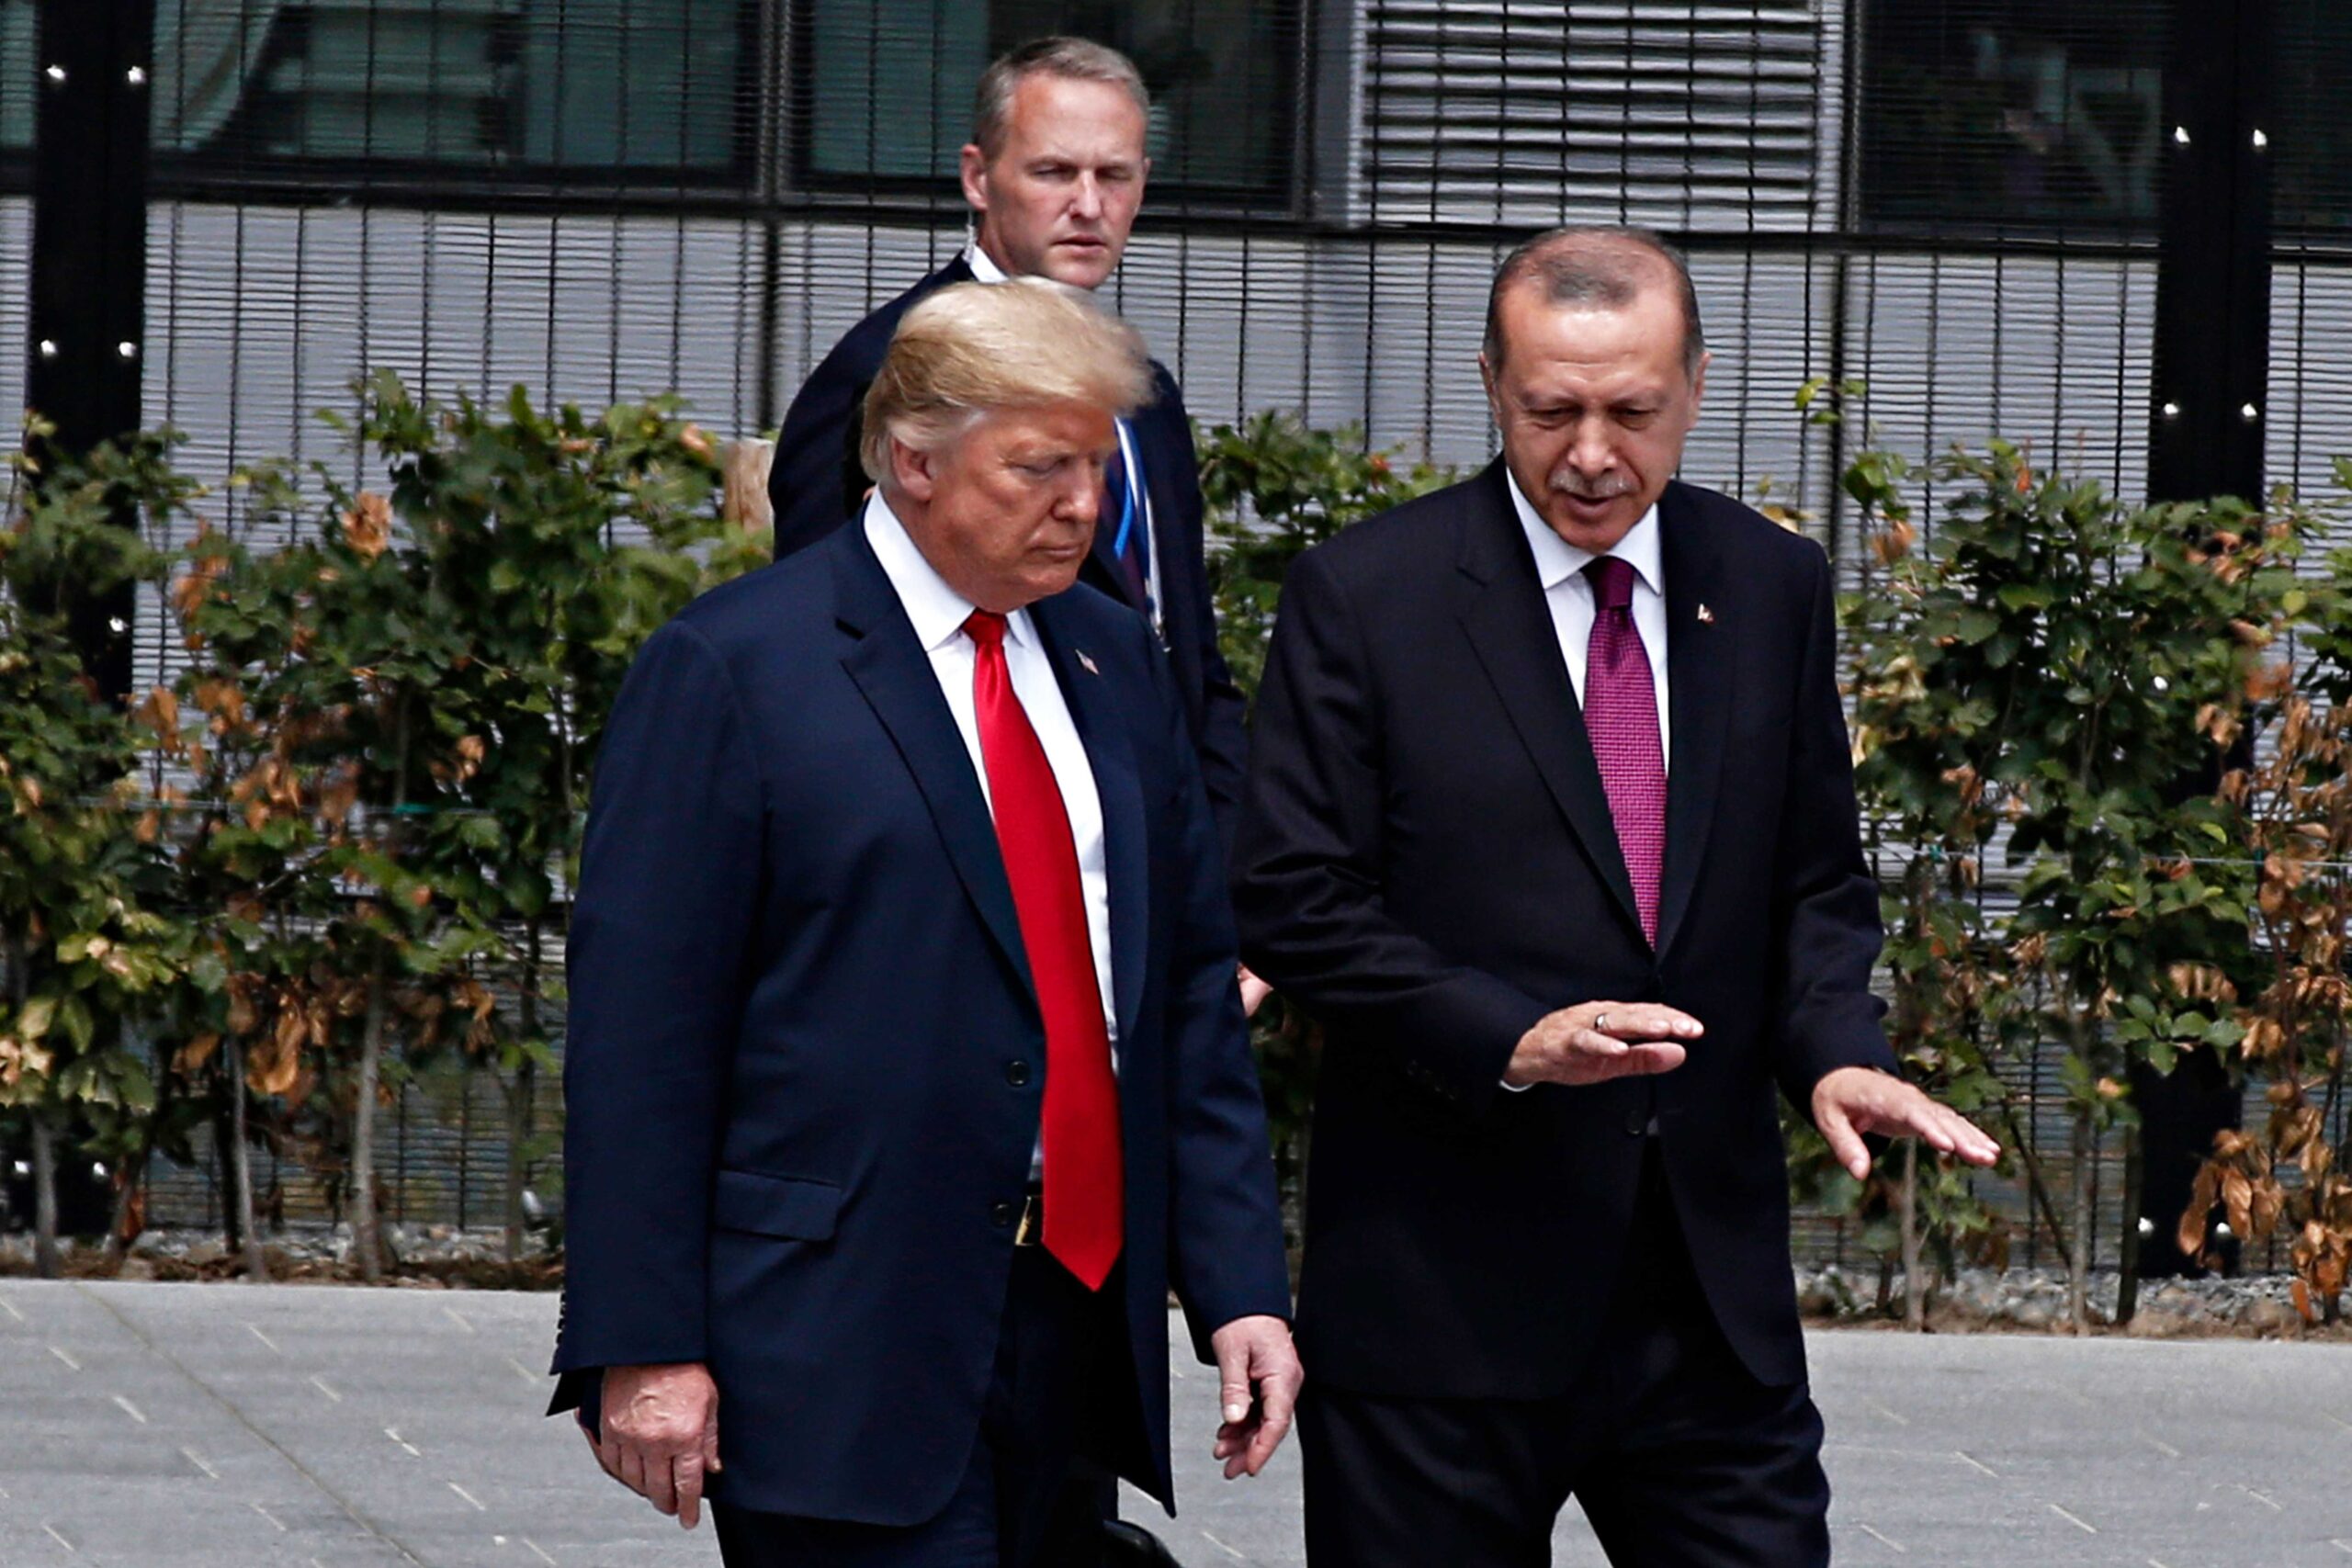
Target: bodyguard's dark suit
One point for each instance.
(1426, 863)
(806, 1064)
(817, 481)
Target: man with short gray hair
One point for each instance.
(1055, 175)
(905, 1075)
(1551, 822)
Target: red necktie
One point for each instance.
(1079, 1136)
(1620, 715)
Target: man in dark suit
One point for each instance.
(1551, 821)
(906, 1074)
(1054, 173)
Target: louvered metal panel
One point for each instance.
(2309, 422)
(1679, 115)
(15, 261)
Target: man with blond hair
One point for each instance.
(1055, 175)
(906, 1073)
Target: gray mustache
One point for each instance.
(1606, 488)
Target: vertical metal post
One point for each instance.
(2206, 434)
(2213, 351)
(89, 257)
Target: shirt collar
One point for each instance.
(937, 610)
(983, 265)
(1556, 561)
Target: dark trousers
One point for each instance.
(1678, 1457)
(1034, 1495)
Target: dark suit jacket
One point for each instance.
(816, 482)
(1427, 863)
(805, 1061)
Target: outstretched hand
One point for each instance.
(1849, 1102)
(1594, 1042)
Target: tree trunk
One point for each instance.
(519, 1093)
(119, 1224)
(241, 1164)
(225, 1177)
(45, 1258)
(367, 1238)
(130, 1180)
(2127, 1284)
(1915, 1289)
(2038, 1188)
(2078, 1261)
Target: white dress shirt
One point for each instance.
(1567, 592)
(939, 612)
(985, 270)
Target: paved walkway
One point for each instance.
(227, 1427)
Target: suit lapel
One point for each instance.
(1697, 675)
(1096, 709)
(895, 675)
(1509, 626)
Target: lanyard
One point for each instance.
(1130, 498)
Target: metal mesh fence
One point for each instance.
(603, 199)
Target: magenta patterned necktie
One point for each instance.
(1620, 715)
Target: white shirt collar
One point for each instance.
(983, 265)
(937, 610)
(1556, 561)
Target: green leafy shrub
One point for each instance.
(87, 935)
(2051, 677)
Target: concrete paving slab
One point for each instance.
(227, 1427)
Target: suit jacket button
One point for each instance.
(1016, 1073)
(1002, 1215)
(1636, 1123)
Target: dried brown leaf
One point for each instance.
(2237, 1201)
(195, 1054)
(369, 526)
(2191, 1234)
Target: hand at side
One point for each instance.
(1254, 993)
(1259, 1375)
(660, 1434)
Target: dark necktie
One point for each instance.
(1080, 1134)
(1130, 523)
(1620, 715)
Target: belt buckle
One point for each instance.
(1032, 1229)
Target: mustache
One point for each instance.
(1606, 487)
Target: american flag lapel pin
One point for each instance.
(1085, 663)
(1706, 616)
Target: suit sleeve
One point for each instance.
(668, 893)
(816, 480)
(1222, 743)
(1227, 1258)
(1828, 912)
(1308, 866)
